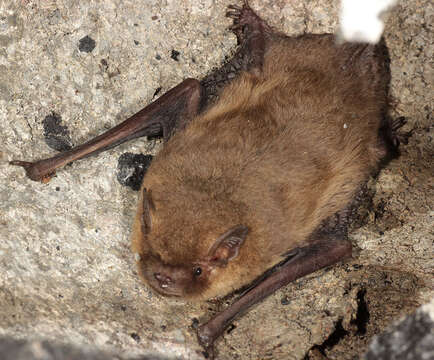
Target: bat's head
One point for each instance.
(183, 255)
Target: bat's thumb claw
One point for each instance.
(32, 171)
(24, 164)
(206, 340)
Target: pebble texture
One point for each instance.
(11, 349)
(410, 339)
(68, 274)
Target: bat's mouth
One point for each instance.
(163, 289)
(161, 284)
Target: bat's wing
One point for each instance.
(165, 115)
(326, 250)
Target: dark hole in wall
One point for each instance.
(337, 335)
(157, 91)
(231, 328)
(132, 169)
(362, 316)
(56, 135)
(361, 321)
(175, 55)
(86, 44)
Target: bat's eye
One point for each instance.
(197, 271)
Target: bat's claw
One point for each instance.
(398, 123)
(399, 137)
(236, 28)
(234, 7)
(243, 16)
(206, 340)
(32, 171)
(233, 14)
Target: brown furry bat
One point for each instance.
(253, 179)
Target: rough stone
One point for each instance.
(67, 271)
(11, 349)
(410, 339)
(132, 169)
(56, 136)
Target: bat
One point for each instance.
(246, 190)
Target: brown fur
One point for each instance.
(280, 152)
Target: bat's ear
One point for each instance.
(147, 207)
(227, 246)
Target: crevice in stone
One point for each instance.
(337, 335)
(363, 315)
(231, 328)
(132, 168)
(30, 127)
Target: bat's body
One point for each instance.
(256, 176)
(279, 153)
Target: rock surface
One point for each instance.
(67, 272)
(410, 339)
(11, 349)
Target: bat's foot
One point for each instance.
(390, 137)
(33, 171)
(252, 33)
(398, 137)
(206, 339)
(326, 249)
(245, 21)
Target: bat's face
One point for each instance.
(187, 280)
(176, 259)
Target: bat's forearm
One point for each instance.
(307, 260)
(170, 111)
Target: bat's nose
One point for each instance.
(163, 280)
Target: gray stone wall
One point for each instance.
(67, 274)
